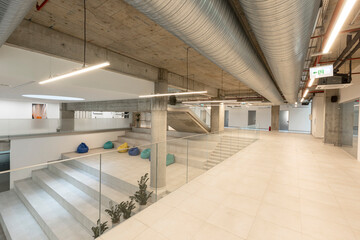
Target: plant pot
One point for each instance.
(115, 224)
(142, 207)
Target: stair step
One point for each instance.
(84, 208)
(55, 221)
(16, 220)
(88, 183)
(193, 160)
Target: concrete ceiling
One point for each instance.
(352, 24)
(114, 25)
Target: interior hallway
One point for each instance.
(283, 186)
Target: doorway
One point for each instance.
(226, 120)
(251, 118)
(4, 166)
(284, 120)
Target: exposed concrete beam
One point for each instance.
(128, 105)
(35, 37)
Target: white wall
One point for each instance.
(10, 109)
(298, 117)
(30, 151)
(318, 115)
(238, 117)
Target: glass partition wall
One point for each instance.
(84, 195)
(349, 123)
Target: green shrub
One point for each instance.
(114, 212)
(99, 229)
(126, 208)
(141, 196)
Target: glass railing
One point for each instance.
(85, 195)
(14, 127)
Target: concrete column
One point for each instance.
(275, 114)
(332, 129)
(217, 117)
(158, 133)
(67, 119)
(203, 115)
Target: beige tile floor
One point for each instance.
(284, 186)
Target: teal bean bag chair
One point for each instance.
(109, 145)
(145, 154)
(170, 159)
(134, 151)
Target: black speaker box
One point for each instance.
(334, 98)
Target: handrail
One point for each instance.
(104, 152)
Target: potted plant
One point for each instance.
(99, 229)
(126, 208)
(114, 212)
(142, 196)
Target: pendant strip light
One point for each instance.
(210, 101)
(77, 72)
(84, 69)
(306, 93)
(345, 11)
(172, 94)
(311, 82)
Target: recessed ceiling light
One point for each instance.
(51, 97)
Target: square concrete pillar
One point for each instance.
(158, 133)
(332, 129)
(217, 117)
(275, 114)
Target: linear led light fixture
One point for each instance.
(306, 93)
(211, 101)
(319, 54)
(340, 22)
(172, 94)
(77, 72)
(311, 82)
(302, 99)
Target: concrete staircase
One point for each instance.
(58, 202)
(195, 151)
(62, 200)
(225, 148)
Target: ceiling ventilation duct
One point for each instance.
(211, 27)
(283, 29)
(12, 12)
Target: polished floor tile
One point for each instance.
(282, 187)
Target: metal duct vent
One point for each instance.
(283, 29)
(211, 27)
(12, 12)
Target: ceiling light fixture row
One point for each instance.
(84, 69)
(346, 9)
(172, 94)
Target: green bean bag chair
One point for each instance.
(145, 154)
(109, 145)
(170, 159)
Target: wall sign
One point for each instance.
(322, 71)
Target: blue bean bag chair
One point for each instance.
(145, 154)
(82, 148)
(170, 159)
(109, 145)
(134, 151)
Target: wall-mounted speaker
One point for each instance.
(334, 98)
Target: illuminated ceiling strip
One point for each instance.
(77, 72)
(172, 94)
